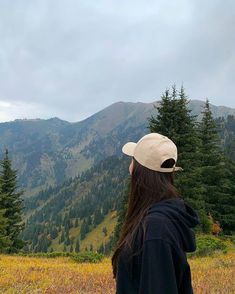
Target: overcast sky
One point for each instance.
(73, 58)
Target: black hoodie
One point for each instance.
(161, 266)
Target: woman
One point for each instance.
(150, 256)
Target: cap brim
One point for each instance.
(169, 169)
(129, 148)
(178, 168)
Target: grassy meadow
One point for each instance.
(24, 274)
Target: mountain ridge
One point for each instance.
(49, 151)
(193, 101)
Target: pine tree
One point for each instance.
(89, 220)
(76, 223)
(84, 229)
(121, 213)
(71, 248)
(217, 174)
(189, 157)
(12, 203)
(62, 237)
(164, 121)
(5, 241)
(98, 217)
(67, 241)
(77, 246)
(175, 121)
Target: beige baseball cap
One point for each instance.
(152, 150)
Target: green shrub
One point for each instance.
(208, 245)
(89, 256)
(45, 254)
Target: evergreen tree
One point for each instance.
(121, 213)
(77, 247)
(62, 237)
(76, 223)
(43, 243)
(164, 121)
(67, 241)
(71, 248)
(54, 233)
(217, 174)
(189, 157)
(98, 217)
(175, 121)
(89, 220)
(12, 203)
(67, 225)
(5, 241)
(84, 229)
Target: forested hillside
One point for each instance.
(78, 207)
(226, 129)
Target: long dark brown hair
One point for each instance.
(147, 187)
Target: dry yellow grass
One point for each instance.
(214, 275)
(61, 275)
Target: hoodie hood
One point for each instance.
(183, 217)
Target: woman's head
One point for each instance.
(152, 150)
(146, 187)
(149, 186)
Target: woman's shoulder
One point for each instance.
(158, 227)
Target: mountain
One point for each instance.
(217, 111)
(47, 152)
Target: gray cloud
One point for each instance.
(73, 58)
